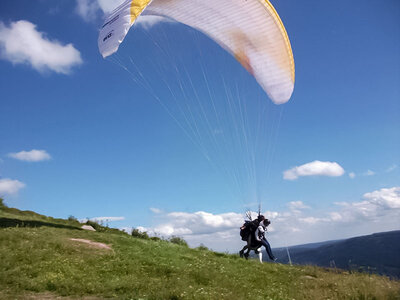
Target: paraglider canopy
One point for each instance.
(250, 30)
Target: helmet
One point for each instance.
(267, 222)
(260, 218)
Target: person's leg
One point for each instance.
(268, 248)
(246, 255)
(259, 254)
(242, 251)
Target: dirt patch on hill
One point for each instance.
(92, 244)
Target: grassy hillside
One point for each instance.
(38, 260)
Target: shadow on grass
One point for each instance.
(6, 222)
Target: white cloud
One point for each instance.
(108, 6)
(21, 43)
(215, 230)
(381, 206)
(352, 175)
(202, 222)
(312, 220)
(391, 168)
(297, 205)
(315, 168)
(335, 216)
(385, 198)
(89, 10)
(156, 210)
(33, 155)
(377, 211)
(148, 21)
(369, 173)
(10, 186)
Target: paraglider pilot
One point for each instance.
(260, 237)
(254, 233)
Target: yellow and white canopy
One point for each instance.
(250, 30)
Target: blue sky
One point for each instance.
(107, 148)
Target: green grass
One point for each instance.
(43, 263)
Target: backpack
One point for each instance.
(248, 228)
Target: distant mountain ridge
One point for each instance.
(376, 253)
